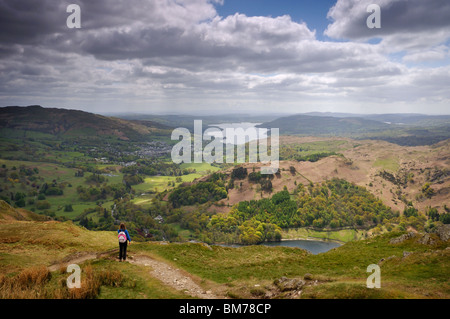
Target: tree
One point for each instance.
(43, 204)
(281, 197)
(266, 185)
(427, 191)
(239, 173)
(445, 218)
(410, 211)
(433, 214)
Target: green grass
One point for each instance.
(185, 234)
(387, 163)
(26, 244)
(201, 168)
(223, 264)
(289, 151)
(153, 184)
(160, 183)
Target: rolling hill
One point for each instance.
(74, 123)
(396, 174)
(7, 212)
(401, 129)
(308, 125)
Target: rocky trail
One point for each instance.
(173, 277)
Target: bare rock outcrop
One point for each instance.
(402, 238)
(289, 284)
(444, 232)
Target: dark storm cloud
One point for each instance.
(397, 17)
(29, 22)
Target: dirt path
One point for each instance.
(77, 259)
(162, 271)
(173, 277)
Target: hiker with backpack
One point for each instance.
(124, 239)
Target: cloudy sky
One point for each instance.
(206, 56)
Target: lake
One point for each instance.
(242, 139)
(313, 246)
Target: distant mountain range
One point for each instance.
(399, 118)
(402, 129)
(325, 125)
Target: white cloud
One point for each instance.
(167, 53)
(438, 53)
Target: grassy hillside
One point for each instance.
(412, 268)
(34, 257)
(359, 162)
(74, 123)
(401, 178)
(7, 212)
(413, 130)
(324, 125)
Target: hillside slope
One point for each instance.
(74, 123)
(411, 267)
(325, 125)
(412, 130)
(7, 212)
(396, 174)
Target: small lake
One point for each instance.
(241, 139)
(313, 246)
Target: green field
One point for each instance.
(49, 172)
(161, 183)
(201, 168)
(293, 151)
(388, 163)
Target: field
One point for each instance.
(66, 176)
(156, 184)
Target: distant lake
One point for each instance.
(313, 246)
(243, 125)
